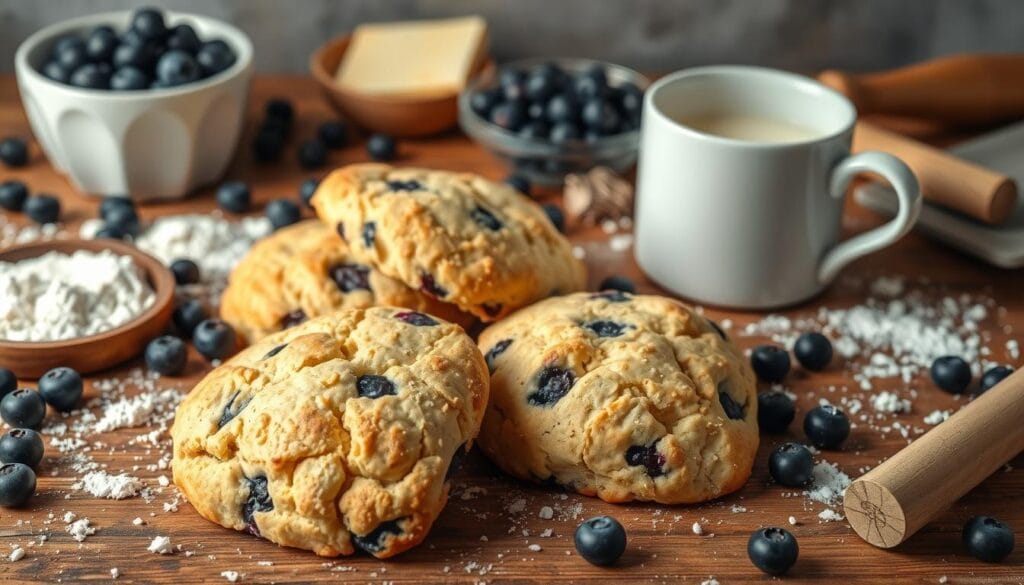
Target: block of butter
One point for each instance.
(417, 58)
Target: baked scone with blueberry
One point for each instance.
(455, 236)
(305, 270)
(338, 434)
(620, 396)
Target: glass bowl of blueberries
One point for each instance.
(145, 103)
(550, 117)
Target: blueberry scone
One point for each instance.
(304, 271)
(335, 435)
(454, 236)
(620, 396)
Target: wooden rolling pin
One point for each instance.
(962, 89)
(949, 181)
(892, 501)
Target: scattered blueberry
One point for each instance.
(214, 57)
(951, 374)
(552, 384)
(259, 500)
(334, 134)
(374, 386)
(988, 539)
(294, 318)
(374, 541)
(619, 283)
(166, 355)
(381, 147)
(312, 154)
(61, 388)
(8, 382)
(369, 233)
(148, 23)
(306, 191)
(13, 195)
(647, 456)
(268, 145)
(604, 328)
(17, 484)
(350, 277)
(791, 465)
(185, 271)
(13, 152)
(415, 318)
(813, 351)
(485, 218)
(993, 376)
(282, 213)
(556, 216)
(121, 219)
(519, 182)
(600, 540)
(493, 353)
(279, 109)
(234, 196)
(43, 208)
(21, 446)
(775, 411)
(773, 550)
(733, 409)
(23, 409)
(826, 426)
(214, 339)
(129, 78)
(770, 363)
(187, 316)
(111, 202)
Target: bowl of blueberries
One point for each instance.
(146, 103)
(550, 117)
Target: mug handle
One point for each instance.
(908, 192)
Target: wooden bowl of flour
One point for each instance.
(32, 359)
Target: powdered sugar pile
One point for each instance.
(11, 233)
(104, 485)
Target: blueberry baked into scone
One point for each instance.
(305, 271)
(338, 434)
(627, 397)
(457, 237)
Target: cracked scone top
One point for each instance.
(304, 271)
(620, 396)
(455, 236)
(335, 435)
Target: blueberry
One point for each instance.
(770, 363)
(122, 219)
(604, 328)
(519, 182)
(294, 318)
(129, 78)
(552, 384)
(214, 57)
(775, 411)
(214, 339)
(282, 213)
(55, 71)
(8, 382)
(100, 44)
(166, 355)
(485, 218)
(813, 351)
(647, 456)
(563, 133)
(312, 154)
(600, 116)
(826, 426)
(13, 152)
(733, 409)
(184, 38)
(148, 23)
(612, 296)
(375, 540)
(495, 351)
(185, 271)
(483, 101)
(13, 195)
(430, 286)
(988, 539)
(109, 233)
(232, 409)
(111, 202)
(17, 484)
(791, 465)
(631, 99)
(562, 108)
(381, 147)
(306, 191)
(334, 134)
(374, 386)
(139, 55)
(540, 85)
(258, 500)
(279, 109)
(591, 83)
(23, 409)
(951, 374)
(993, 376)
(268, 145)
(21, 446)
(416, 319)
(600, 540)
(537, 111)
(71, 54)
(177, 67)
(535, 130)
(620, 283)
(90, 76)
(234, 196)
(350, 277)
(43, 208)
(187, 316)
(61, 388)
(556, 216)
(369, 233)
(773, 550)
(509, 115)
(407, 186)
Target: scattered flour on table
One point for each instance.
(161, 545)
(17, 554)
(11, 233)
(889, 402)
(80, 529)
(828, 484)
(937, 416)
(231, 576)
(104, 485)
(710, 581)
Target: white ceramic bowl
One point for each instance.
(149, 144)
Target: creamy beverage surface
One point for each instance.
(748, 127)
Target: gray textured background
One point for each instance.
(805, 35)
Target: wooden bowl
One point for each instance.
(405, 116)
(103, 350)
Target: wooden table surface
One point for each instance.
(477, 538)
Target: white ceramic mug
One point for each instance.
(753, 224)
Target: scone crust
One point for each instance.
(455, 236)
(280, 441)
(644, 417)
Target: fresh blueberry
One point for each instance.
(563, 133)
(122, 219)
(592, 83)
(214, 339)
(988, 539)
(951, 374)
(306, 191)
(90, 76)
(375, 540)
(826, 426)
(312, 154)
(111, 202)
(537, 111)
(71, 54)
(416, 319)
(369, 233)
(258, 500)
(612, 296)
(647, 456)
(381, 147)
(773, 550)
(600, 540)
(993, 376)
(294, 318)
(552, 384)
(350, 277)
(100, 44)
(177, 67)
(540, 85)
(599, 115)
(605, 328)
(23, 409)
(61, 388)
(148, 23)
(493, 353)
(813, 351)
(166, 355)
(108, 233)
(268, 145)
(55, 71)
(141, 55)
(535, 130)
(129, 78)
(519, 182)
(631, 99)
(282, 213)
(770, 363)
(620, 283)
(430, 286)
(17, 484)
(185, 271)
(485, 218)
(775, 411)
(234, 196)
(64, 43)
(8, 382)
(556, 216)
(43, 208)
(21, 446)
(187, 316)
(214, 57)
(483, 101)
(509, 115)
(562, 108)
(13, 152)
(733, 409)
(184, 38)
(791, 465)
(334, 134)
(374, 386)
(492, 309)
(13, 195)
(279, 109)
